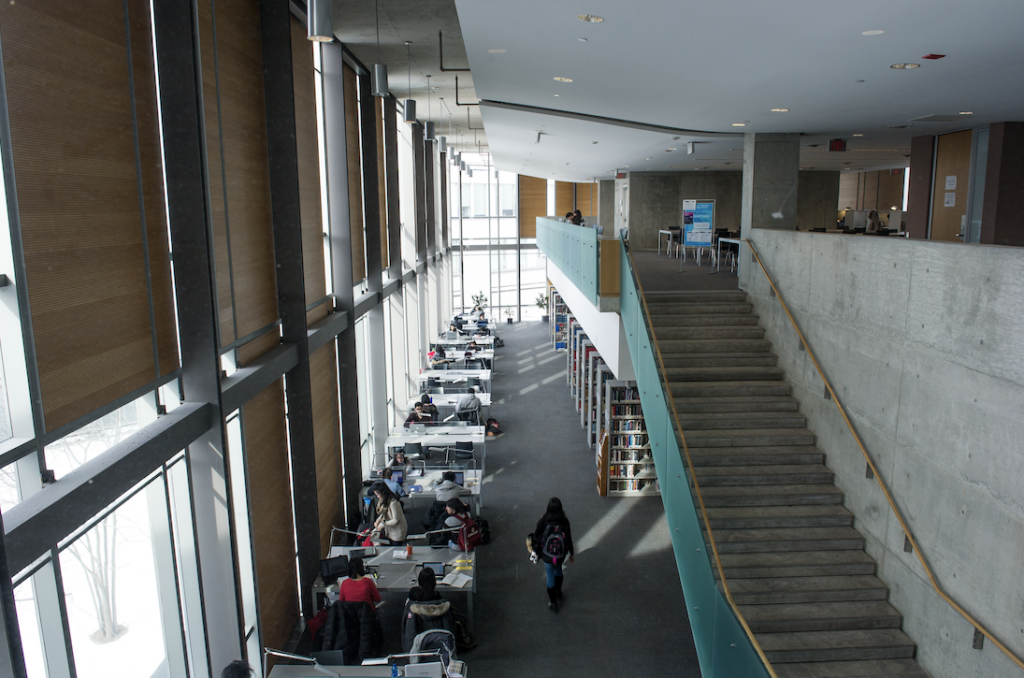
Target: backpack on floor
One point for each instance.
(553, 544)
(492, 428)
(485, 531)
(470, 534)
(498, 343)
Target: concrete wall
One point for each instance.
(817, 197)
(922, 341)
(606, 204)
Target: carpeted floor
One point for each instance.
(623, 612)
(661, 273)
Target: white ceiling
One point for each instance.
(705, 66)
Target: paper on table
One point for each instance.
(456, 580)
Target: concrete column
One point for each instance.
(771, 166)
(1004, 186)
(606, 204)
(922, 155)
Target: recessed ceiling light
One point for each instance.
(858, 135)
(497, 51)
(669, 150)
(558, 95)
(858, 81)
(646, 158)
(872, 32)
(780, 110)
(966, 112)
(561, 79)
(589, 18)
(905, 66)
(739, 124)
(582, 39)
(625, 165)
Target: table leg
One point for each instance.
(718, 259)
(659, 244)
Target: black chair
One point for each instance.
(433, 382)
(818, 230)
(414, 451)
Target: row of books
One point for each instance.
(630, 393)
(628, 471)
(627, 411)
(627, 456)
(627, 425)
(632, 485)
(633, 440)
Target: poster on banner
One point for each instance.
(698, 222)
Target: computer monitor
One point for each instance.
(398, 475)
(438, 568)
(460, 477)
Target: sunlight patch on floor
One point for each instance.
(655, 539)
(553, 377)
(602, 527)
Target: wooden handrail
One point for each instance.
(878, 476)
(693, 475)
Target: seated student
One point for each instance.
(358, 588)
(394, 486)
(467, 402)
(447, 489)
(568, 216)
(401, 462)
(426, 588)
(472, 346)
(577, 218)
(429, 407)
(439, 358)
(418, 416)
(457, 513)
(476, 309)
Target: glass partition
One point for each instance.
(723, 648)
(574, 250)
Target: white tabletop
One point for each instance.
(394, 574)
(454, 375)
(462, 341)
(437, 435)
(451, 399)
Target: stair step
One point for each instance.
(673, 346)
(730, 389)
(798, 474)
(763, 359)
(847, 616)
(708, 332)
(789, 455)
(737, 404)
(871, 668)
(741, 420)
(659, 306)
(770, 495)
(800, 539)
(817, 646)
(779, 590)
(760, 517)
(690, 374)
(750, 437)
(796, 564)
(659, 320)
(691, 297)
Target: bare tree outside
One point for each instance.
(96, 550)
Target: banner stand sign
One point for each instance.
(698, 222)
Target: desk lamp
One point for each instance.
(287, 655)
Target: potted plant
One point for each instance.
(479, 299)
(508, 314)
(542, 304)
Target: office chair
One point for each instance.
(433, 382)
(414, 451)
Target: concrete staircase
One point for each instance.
(796, 566)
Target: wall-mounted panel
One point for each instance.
(84, 199)
(533, 203)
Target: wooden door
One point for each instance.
(949, 205)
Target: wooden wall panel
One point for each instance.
(609, 268)
(79, 200)
(890, 189)
(952, 158)
(586, 199)
(533, 203)
(564, 199)
(849, 183)
(323, 387)
(266, 457)
(355, 191)
(307, 148)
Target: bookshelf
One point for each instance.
(559, 312)
(576, 334)
(625, 455)
(596, 376)
(586, 349)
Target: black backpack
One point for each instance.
(492, 428)
(498, 343)
(553, 543)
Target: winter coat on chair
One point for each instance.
(353, 628)
(420, 616)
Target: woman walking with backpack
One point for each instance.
(552, 542)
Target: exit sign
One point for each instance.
(837, 145)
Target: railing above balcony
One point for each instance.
(589, 261)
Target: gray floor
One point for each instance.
(623, 612)
(661, 273)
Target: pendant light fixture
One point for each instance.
(409, 112)
(319, 21)
(380, 70)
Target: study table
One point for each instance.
(457, 376)
(394, 574)
(718, 257)
(439, 435)
(428, 481)
(672, 234)
(447, 402)
(465, 339)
